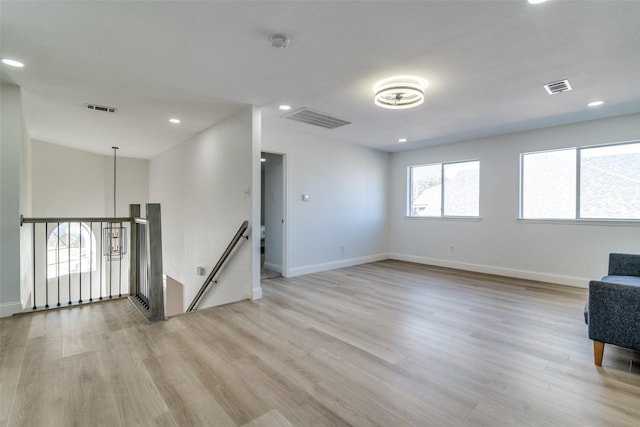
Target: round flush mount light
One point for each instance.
(174, 121)
(399, 92)
(12, 62)
(402, 140)
(595, 103)
(284, 107)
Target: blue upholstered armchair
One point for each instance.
(613, 309)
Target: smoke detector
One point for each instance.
(280, 41)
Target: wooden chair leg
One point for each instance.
(598, 351)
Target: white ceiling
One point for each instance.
(485, 61)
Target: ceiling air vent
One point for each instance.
(94, 107)
(557, 87)
(316, 118)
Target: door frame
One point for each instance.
(285, 211)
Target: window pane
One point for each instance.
(610, 182)
(549, 184)
(71, 248)
(426, 190)
(462, 189)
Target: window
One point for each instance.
(600, 182)
(445, 189)
(71, 248)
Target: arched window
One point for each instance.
(71, 248)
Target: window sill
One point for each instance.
(445, 218)
(594, 222)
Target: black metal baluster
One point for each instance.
(80, 263)
(120, 263)
(33, 251)
(69, 259)
(46, 262)
(101, 255)
(90, 261)
(110, 260)
(58, 261)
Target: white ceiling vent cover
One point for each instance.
(557, 87)
(94, 107)
(316, 118)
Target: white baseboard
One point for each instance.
(273, 267)
(560, 279)
(316, 268)
(256, 293)
(10, 308)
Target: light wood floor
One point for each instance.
(389, 344)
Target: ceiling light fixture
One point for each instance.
(284, 107)
(174, 121)
(399, 92)
(12, 62)
(595, 103)
(402, 140)
(536, 1)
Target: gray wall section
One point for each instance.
(10, 152)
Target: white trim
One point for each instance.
(256, 293)
(580, 282)
(316, 268)
(10, 308)
(273, 267)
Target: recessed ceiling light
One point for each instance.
(284, 107)
(262, 159)
(536, 1)
(174, 121)
(595, 103)
(402, 140)
(399, 92)
(12, 62)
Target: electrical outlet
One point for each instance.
(452, 249)
(341, 249)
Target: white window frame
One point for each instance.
(577, 216)
(409, 204)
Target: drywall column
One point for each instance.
(10, 151)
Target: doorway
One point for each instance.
(272, 232)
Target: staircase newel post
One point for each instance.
(154, 245)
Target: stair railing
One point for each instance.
(225, 255)
(146, 274)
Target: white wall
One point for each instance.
(72, 183)
(569, 252)
(345, 222)
(26, 236)
(11, 140)
(67, 182)
(204, 187)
